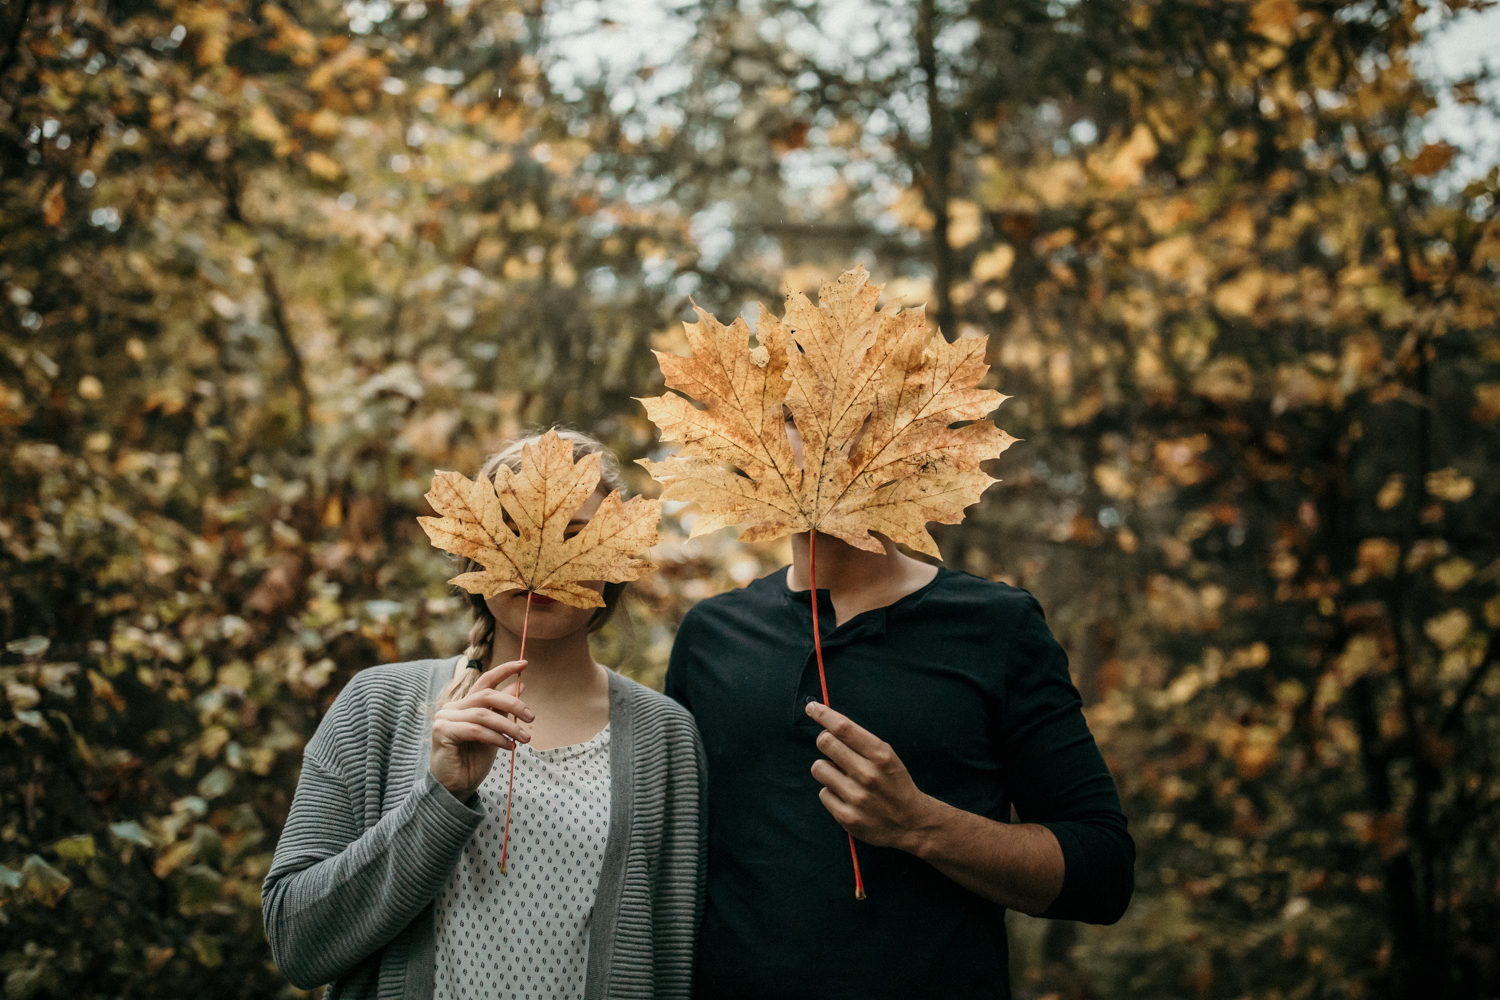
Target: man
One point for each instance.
(951, 702)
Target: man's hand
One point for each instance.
(867, 788)
(870, 793)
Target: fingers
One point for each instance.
(841, 811)
(469, 732)
(840, 784)
(500, 701)
(486, 718)
(497, 675)
(860, 740)
(863, 742)
(845, 759)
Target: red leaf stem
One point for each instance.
(510, 792)
(812, 576)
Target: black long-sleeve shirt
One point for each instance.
(966, 683)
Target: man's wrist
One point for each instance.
(925, 831)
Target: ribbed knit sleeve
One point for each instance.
(339, 889)
(679, 898)
(1058, 778)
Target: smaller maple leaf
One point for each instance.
(540, 500)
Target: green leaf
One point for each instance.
(34, 719)
(75, 848)
(32, 645)
(206, 947)
(45, 883)
(199, 889)
(216, 782)
(132, 833)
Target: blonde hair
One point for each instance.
(482, 632)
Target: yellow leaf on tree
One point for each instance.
(263, 125)
(873, 398)
(1226, 380)
(964, 223)
(326, 167)
(1432, 159)
(1379, 556)
(539, 501)
(54, 206)
(1128, 164)
(1392, 493)
(325, 124)
(1453, 573)
(1257, 751)
(1239, 297)
(1360, 657)
(1447, 629)
(1275, 20)
(1486, 402)
(172, 858)
(994, 265)
(1448, 484)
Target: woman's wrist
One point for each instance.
(460, 792)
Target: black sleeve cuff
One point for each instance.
(1098, 872)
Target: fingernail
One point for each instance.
(529, 716)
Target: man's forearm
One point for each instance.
(1019, 866)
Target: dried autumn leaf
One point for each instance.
(54, 206)
(874, 399)
(1449, 484)
(995, 264)
(1448, 629)
(1392, 493)
(1453, 573)
(1226, 380)
(965, 223)
(540, 499)
(1486, 403)
(326, 167)
(1128, 165)
(1275, 20)
(1379, 556)
(1432, 159)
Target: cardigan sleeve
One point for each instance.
(1058, 778)
(679, 893)
(336, 894)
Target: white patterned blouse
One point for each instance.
(524, 935)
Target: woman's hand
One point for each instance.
(468, 732)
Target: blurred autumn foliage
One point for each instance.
(266, 266)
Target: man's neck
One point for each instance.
(857, 580)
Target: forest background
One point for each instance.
(266, 266)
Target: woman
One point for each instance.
(387, 881)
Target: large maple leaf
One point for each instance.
(536, 554)
(874, 397)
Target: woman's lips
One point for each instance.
(540, 599)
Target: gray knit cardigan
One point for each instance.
(372, 837)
